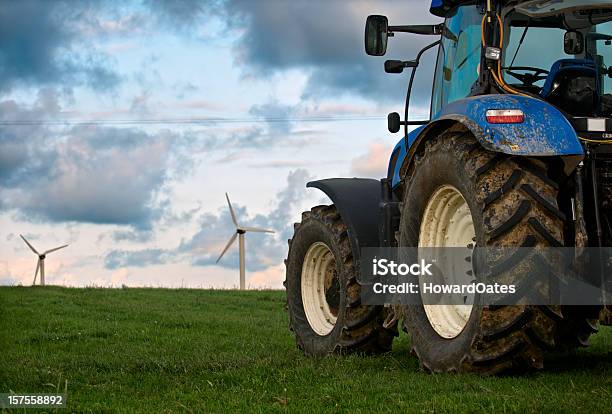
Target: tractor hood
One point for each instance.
(533, 8)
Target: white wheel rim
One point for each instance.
(318, 271)
(447, 222)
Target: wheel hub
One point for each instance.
(447, 222)
(320, 288)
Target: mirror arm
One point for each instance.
(394, 123)
(409, 91)
(419, 123)
(422, 29)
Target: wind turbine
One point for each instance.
(240, 232)
(41, 260)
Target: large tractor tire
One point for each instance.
(323, 293)
(457, 193)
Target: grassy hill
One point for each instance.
(158, 350)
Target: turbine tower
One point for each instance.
(41, 260)
(240, 232)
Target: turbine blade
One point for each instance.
(234, 219)
(36, 273)
(57, 248)
(227, 246)
(29, 245)
(257, 230)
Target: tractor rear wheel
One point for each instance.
(323, 293)
(457, 193)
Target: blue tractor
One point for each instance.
(516, 153)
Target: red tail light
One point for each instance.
(505, 116)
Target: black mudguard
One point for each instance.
(358, 200)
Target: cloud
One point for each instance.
(182, 14)
(284, 164)
(326, 40)
(90, 180)
(118, 22)
(133, 235)
(38, 46)
(102, 175)
(92, 174)
(276, 115)
(236, 143)
(286, 202)
(374, 162)
(109, 175)
(117, 259)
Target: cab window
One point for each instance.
(458, 57)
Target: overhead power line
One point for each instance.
(185, 121)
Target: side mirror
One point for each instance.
(393, 122)
(573, 42)
(376, 35)
(397, 66)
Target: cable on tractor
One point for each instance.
(496, 53)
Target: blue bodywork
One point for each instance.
(545, 131)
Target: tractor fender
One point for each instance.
(358, 202)
(545, 131)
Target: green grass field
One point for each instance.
(158, 350)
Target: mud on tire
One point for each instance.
(358, 328)
(513, 203)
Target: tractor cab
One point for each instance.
(562, 54)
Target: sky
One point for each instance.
(123, 125)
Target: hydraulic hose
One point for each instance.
(497, 74)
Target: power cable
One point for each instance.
(184, 121)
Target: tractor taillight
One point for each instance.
(505, 116)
